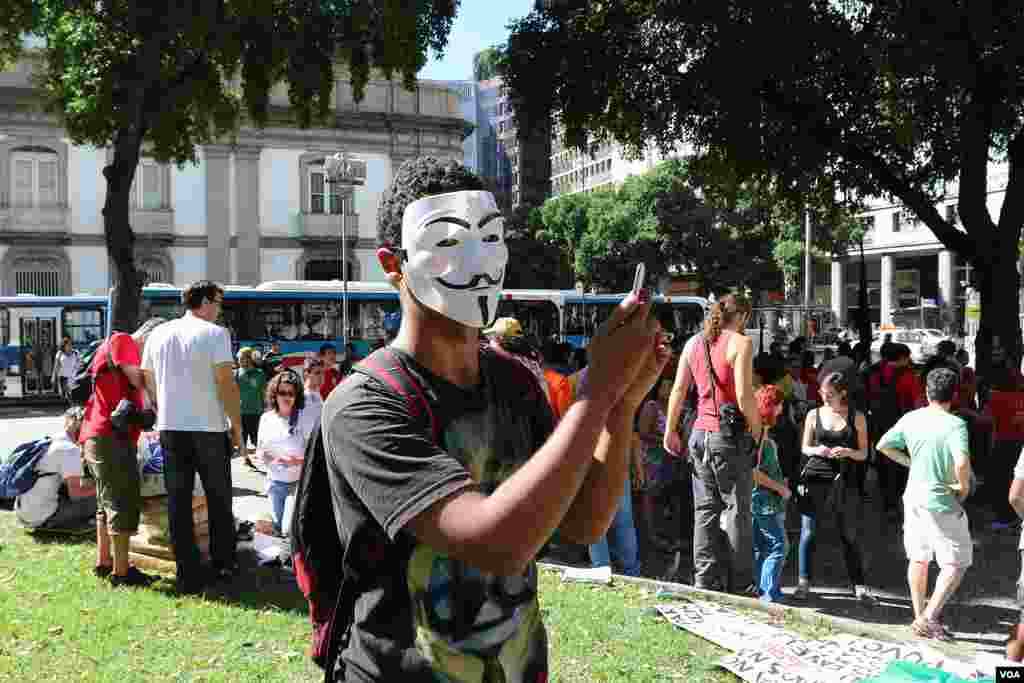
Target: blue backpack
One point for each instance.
(18, 473)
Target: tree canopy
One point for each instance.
(678, 214)
(174, 76)
(906, 99)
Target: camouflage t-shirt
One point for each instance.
(421, 615)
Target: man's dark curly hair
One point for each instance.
(416, 179)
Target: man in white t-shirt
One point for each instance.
(44, 506)
(1015, 646)
(189, 372)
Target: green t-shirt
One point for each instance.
(764, 501)
(931, 436)
(251, 385)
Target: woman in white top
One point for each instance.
(281, 444)
(65, 366)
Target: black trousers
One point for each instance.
(207, 454)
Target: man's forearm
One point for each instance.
(537, 498)
(231, 399)
(597, 501)
(895, 456)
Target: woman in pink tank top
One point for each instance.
(722, 465)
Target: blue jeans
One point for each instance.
(770, 548)
(622, 537)
(277, 492)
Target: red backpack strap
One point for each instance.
(385, 366)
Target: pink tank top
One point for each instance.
(725, 389)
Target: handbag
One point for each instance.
(731, 423)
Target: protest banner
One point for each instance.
(1007, 415)
(719, 624)
(840, 659)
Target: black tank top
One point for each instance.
(827, 468)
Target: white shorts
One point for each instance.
(940, 536)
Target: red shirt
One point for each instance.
(909, 393)
(331, 378)
(725, 387)
(110, 387)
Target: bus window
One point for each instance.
(276, 321)
(539, 319)
(233, 316)
(83, 325)
(688, 319)
(366, 318)
(168, 309)
(320, 320)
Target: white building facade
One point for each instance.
(906, 264)
(253, 210)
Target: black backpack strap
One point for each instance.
(385, 366)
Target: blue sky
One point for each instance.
(479, 24)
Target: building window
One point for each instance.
(36, 282)
(896, 221)
(147, 192)
(318, 192)
(952, 215)
(34, 179)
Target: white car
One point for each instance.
(930, 339)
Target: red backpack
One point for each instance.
(323, 568)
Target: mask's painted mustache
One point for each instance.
(474, 282)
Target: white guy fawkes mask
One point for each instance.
(455, 255)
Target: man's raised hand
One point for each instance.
(621, 349)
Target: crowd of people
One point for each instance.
(444, 511)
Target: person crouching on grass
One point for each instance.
(768, 502)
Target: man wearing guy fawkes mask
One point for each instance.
(447, 529)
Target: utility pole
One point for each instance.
(808, 272)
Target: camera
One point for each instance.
(127, 416)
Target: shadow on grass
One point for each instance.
(236, 492)
(255, 587)
(84, 536)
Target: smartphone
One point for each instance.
(638, 278)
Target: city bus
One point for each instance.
(31, 330)
(299, 316)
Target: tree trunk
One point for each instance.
(127, 291)
(999, 285)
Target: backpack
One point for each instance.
(81, 385)
(884, 406)
(323, 568)
(18, 473)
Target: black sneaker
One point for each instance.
(133, 579)
(227, 573)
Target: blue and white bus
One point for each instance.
(31, 330)
(300, 316)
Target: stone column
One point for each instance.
(886, 284)
(247, 197)
(839, 291)
(218, 212)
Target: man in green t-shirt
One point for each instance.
(935, 524)
(251, 385)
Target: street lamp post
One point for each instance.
(343, 170)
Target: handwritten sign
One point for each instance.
(718, 624)
(1008, 415)
(767, 654)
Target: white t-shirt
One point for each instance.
(181, 354)
(275, 438)
(314, 406)
(62, 460)
(67, 364)
(1018, 473)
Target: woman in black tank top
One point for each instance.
(834, 436)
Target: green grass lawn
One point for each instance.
(59, 623)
